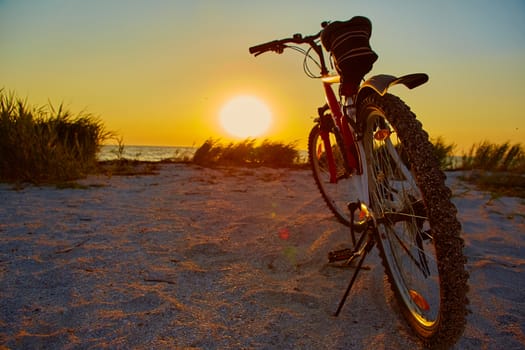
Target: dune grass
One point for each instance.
(444, 153)
(497, 168)
(495, 157)
(46, 144)
(492, 167)
(247, 153)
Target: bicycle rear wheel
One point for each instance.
(336, 194)
(418, 232)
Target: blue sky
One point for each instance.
(157, 72)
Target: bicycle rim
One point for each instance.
(403, 229)
(335, 194)
(416, 221)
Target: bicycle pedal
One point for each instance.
(339, 255)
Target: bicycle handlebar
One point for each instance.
(269, 46)
(279, 45)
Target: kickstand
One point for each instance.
(369, 245)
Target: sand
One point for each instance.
(226, 258)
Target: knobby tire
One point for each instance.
(418, 234)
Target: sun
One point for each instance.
(245, 116)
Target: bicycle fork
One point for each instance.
(325, 125)
(338, 122)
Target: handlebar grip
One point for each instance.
(258, 49)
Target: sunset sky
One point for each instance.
(158, 72)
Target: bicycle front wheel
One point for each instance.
(418, 233)
(337, 192)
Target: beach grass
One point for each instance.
(248, 153)
(495, 157)
(444, 153)
(497, 168)
(46, 144)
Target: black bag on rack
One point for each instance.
(349, 44)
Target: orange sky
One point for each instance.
(158, 72)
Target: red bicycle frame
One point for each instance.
(350, 147)
(351, 151)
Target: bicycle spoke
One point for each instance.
(423, 267)
(403, 223)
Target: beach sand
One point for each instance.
(226, 259)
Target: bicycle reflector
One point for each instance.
(419, 300)
(382, 134)
(363, 212)
(320, 151)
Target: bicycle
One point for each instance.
(376, 170)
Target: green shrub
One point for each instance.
(43, 145)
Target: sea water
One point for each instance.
(158, 153)
(146, 153)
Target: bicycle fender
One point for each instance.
(380, 83)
